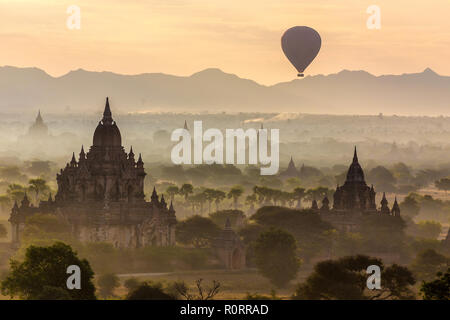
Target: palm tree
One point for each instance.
(193, 202)
(235, 193)
(209, 195)
(172, 191)
(201, 199)
(276, 195)
(291, 199)
(186, 189)
(257, 192)
(250, 201)
(299, 194)
(317, 193)
(293, 182)
(219, 195)
(16, 192)
(38, 186)
(267, 194)
(285, 197)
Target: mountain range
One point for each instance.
(212, 90)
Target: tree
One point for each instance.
(149, 291)
(3, 231)
(209, 195)
(235, 193)
(383, 233)
(199, 199)
(285, 197)
(131, 284)
(197, 231)
(107, 283)
(382, 178)
(275, 256)
(276, 195)
(443, 184)
(53, 293)
(203, 293)
(438, 289)
(429, 229)
(318, 193)
(396, 283)
(305, 225)
(293, 183)
(218, 196)
(345, 279)
(16, 192)
(38, 186)
(186, 189)
(299, 194)
(410, 206)
(251, 200)
(236, 217)
(47, 266)
(172, 191)
(428, 263)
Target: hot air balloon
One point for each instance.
(301, 45)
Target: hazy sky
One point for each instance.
(242, 37)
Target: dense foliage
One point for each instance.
(276, 258)
(346, 278)
(45, 267)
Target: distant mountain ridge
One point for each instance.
(346, 92)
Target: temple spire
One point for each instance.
(291, 165)
(185, 125)
(171, 209)
(355, 156)
(384, 205)
(82, 154)
(107, 115)
(131, 154)
(140, 163)
(395, 209)
(25, 201)
(73, 162)
(39, 117)
(163, 202)
(154, 196)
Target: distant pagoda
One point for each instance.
(38, 128)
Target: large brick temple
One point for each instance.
(101, 195)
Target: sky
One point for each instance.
(182, 37)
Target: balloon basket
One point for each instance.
(301, 75)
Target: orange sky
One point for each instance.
(242, 37)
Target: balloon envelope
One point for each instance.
(301, 45)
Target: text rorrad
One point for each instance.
(235, 152)
(229, 309)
